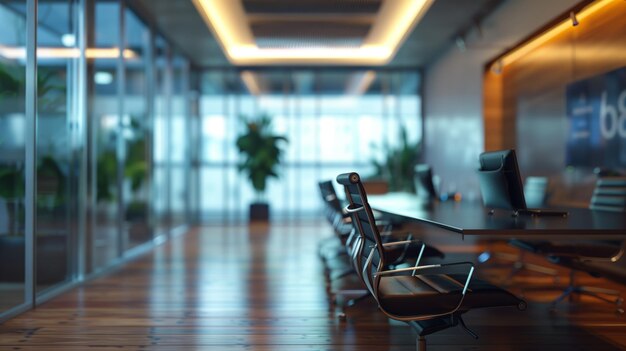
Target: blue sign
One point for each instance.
(596, 109)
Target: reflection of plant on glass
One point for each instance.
(50, 183)
(50, 188)
(136, 170)
(261, 150)
(12, 192)
(50, 88)
(398, 164)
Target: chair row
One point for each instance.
(391, 268)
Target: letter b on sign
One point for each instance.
(612, 123)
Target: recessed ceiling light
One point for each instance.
(103, 78)
(68, 40)
(394, 21)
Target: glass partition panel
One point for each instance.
(137, 228)
(104, 114)
(12, 154)
(57, 151)
(161, 195)
(178, 153)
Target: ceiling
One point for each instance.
(337, 22)
(310, 23)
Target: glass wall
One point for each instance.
(161, 153)
(178, 151)
(12, 154)
(135, 132)
(85, 189)
(105, 98)
(58, 150)
(336, 120)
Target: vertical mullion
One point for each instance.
(229, 121)
(150, 116)
(287, 182)
(80, 97)
(419, 92)
(121, 82)
(186, 94)
(237, 196)
(168, 153)
(317, 135)
(92, 137)
(31, 154)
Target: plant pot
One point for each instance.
(259, 211)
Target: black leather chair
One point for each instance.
(340, 222)
(335, 251)
(342, 225)
(536, 194)
(429, 298)
(597, 257)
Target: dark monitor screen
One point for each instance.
(424, 185)
(500, 180)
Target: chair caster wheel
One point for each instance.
(620, 311)
(522, 306)
(341, 316)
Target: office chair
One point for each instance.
(536, 195)
(335, 252)
(342, 224)
(429, 298)
(339, 221)
(597, 257)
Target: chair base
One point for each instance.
(595, 292)
(358, 295)
(421, 343)
(519, 265)
(427, 327)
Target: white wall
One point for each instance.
(453, 90)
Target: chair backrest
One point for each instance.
(424, 182)
(364, 225)
(609, 194)
(329, 195)
(536, 191)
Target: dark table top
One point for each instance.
(471, 218)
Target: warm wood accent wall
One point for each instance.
(524, 103)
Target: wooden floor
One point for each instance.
(262, 288)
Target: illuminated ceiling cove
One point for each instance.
(313, 32)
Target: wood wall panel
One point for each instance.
(527, 111)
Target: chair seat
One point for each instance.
(408, 295)
(395, 253)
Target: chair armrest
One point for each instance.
(391, 233)
(448, 268)
(401, 242)
(444, 268)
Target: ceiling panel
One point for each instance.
(343, 20)
(297, 7)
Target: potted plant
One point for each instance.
(261, 150)
(398, 165)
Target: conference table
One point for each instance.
(471, 218)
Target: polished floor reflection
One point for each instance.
(262, 288)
